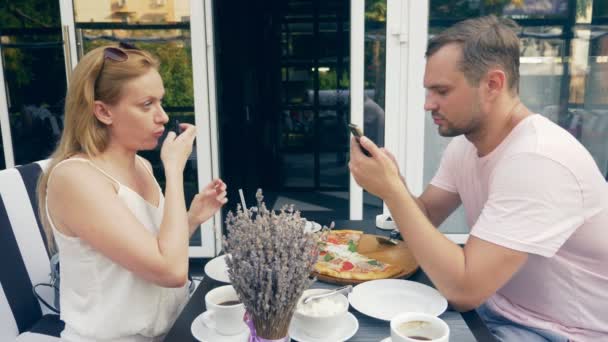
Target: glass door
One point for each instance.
(33, 79)
(283, 103)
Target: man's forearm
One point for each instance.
(441, 259)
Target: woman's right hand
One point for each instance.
(177, 148)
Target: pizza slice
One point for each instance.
(338, 258)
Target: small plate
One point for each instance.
(383, 299)
(205, 334)
(347, 329)
(388, 339)
(312, 227)
(217, 269)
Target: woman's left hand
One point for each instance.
(206, 203)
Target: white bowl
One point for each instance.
(322, 324)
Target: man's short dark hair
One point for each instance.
(486, 42)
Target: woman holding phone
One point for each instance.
(122, 243)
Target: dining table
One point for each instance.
(464, 326)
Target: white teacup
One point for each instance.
(321, 318)
(416, 327)
(224, 311)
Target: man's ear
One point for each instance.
(495, 82)
(102, 113)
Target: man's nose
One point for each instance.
(430, 105)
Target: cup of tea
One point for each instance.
(224, 311)
(416, 327)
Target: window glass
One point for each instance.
(35, 78)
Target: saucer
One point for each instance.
(205, 334)
(388, 339)
(348, 326)
(312, 227)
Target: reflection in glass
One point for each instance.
(132, 11)
(462, 9)
(297, 84)
(314, 108)
(2, 160)
(297, 170)
(34, 71)
(541, 68)
(374, 80)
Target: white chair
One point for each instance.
(24, 260)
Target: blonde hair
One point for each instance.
(94, 78)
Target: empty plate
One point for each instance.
(217, 269)
(383, 299)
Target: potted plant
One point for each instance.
(271, 258)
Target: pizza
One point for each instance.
(338, 258)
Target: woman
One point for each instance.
(123, 246)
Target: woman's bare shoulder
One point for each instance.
(75, 172)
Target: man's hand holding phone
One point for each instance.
(358, 133)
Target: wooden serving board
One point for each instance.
(398, 255)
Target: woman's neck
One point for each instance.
(117, 157)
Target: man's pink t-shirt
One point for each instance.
(540, 192)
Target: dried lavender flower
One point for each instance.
(271, 258)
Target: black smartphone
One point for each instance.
(176, 128)
(357, 133)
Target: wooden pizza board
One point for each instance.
(398, 255)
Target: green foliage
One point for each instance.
(375, 10)
(29, 13)
(329, 80)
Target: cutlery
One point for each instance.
(386, 240)
(346, 289)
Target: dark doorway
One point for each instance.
(282, 81)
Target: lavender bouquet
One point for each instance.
(271, 260)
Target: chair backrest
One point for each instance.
(24, 258)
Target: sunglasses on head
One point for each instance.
(118, 54)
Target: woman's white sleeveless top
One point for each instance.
(102, 301)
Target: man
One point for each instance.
(534, 198)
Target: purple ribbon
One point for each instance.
(253, 337)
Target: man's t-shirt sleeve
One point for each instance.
(534, 205)
(444, 177)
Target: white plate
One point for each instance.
(388, 339)
(385, 298)
(205, 334)
(347, 329)
(217, 269)
(312, 227)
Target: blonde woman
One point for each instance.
(123, 245)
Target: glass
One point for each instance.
(541, 68)
(297, 85)
(35, 76)
(593, 116)
(600, 9)
(132, 11)
(374, 80)
(297, 170)
(100, 23)
(2, 160)
(461, 9)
